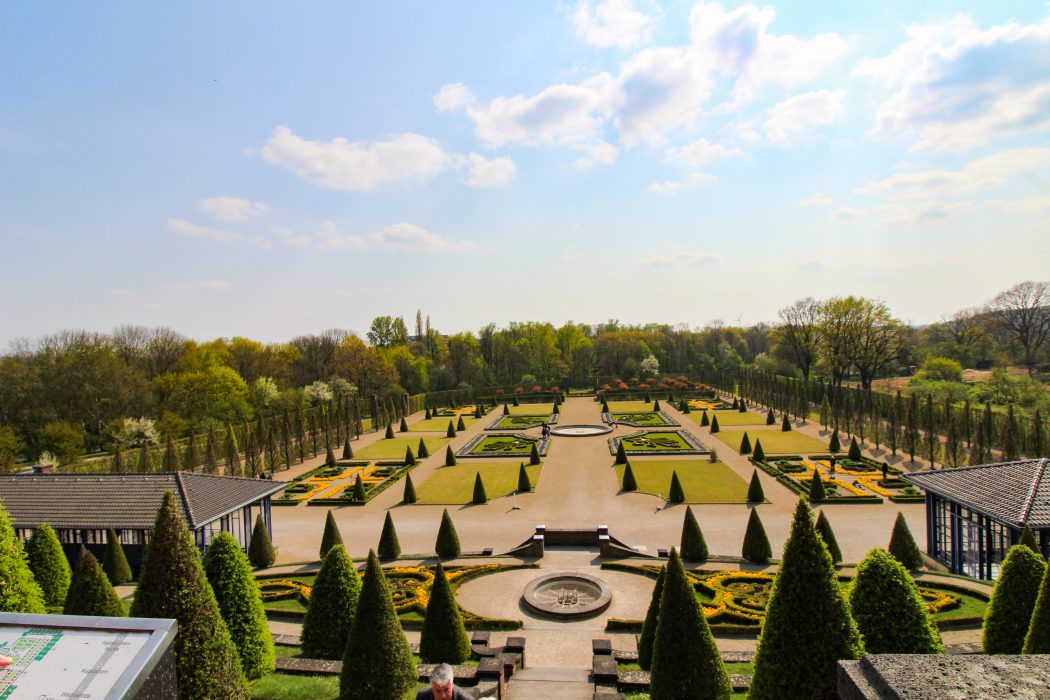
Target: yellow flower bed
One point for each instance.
(702, 405)
(825, 465)
(872, 482)
(855, 490)
(327, 487)
(283, 589)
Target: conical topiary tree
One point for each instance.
(331, 535)
(377, 662)
(451, 432)
(882, 584)
(714, 425)
(421, 449)
(427, 415)
(506, 409)
(172, 585)
(759, 454)
(460, 424)
(444, 638)
(755, 494)
(1028, 539)
(656, 405)
(333, 604)
(348, 451)
(480, 496)
(534, 455)
(114, 561)
(835, 445)
(675, 494)
(745, 444)
(48, 563)
(410, 458)
(1009, 613)
(410, 490)
(652, 621)
(1037, 641)
(630, 483)
(477, 411)
(447, 544)
(817, 492)
(90, 592)
(524, 483)
(902, 545)
(807, 617)
(261, 553)
(621, 453)
(770, 418)
(450, 457)
(360, 495)
(694, 548)
(230, 576)
(756, 544)
(329, 456)
(736, 404)
(704, 420)
(785, 424)
(828, 535)
(389, 434)
(683, 633)
(743, 406)
(389, 547)
(854, 450)
(403, 428)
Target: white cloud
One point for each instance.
(700, 153)
(217, 285)
(922, 213)
(672, 187)
(611, 23)
(980, 175)
(1027, 205)
(845, 214)
(819, 199)
(601, 153)
(355, 166)
(682, 258)
(959, 87)
(801, 114)
(185, 228)
(453, 96)
(490, 172)
(402, 238)
(232, 208)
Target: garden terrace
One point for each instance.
(730, 417)
(439, 425)
(530, 409)
(394, 448)
(517, 445)
(517, 422)
(455, 485)
(774, 440)
(450, 412)
(709, 404)
(641, 420)
(630, 406)
(82, 507)
(335, 485)
(702, 481)
(659, 442)
(853, 480)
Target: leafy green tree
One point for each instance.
(114, 561)
(694, 547)
(389, 547)
(261, 553)
(377, 663)
(891, 615)
(11, 446)
(333, 604)
(172, 585)
(828, 536)
(683, 633)
(19, 592)
(630, 483)
(756, 544)
(755, 494)
(534, 455)
(1009, 613)
(230, 576)
(447, 545)
(675, 494)
(807, 617)
(902, 545)
(1037, 641)
(745, 444)
(450, 457)
(652, 621)
(64, 439)
(480, 496)
(331, 535)
(524, 483)
(90, 592)
(48, 563)
(410, 490)
(759, 454)
(422, 450)
(444, 638)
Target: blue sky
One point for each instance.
(269, 170)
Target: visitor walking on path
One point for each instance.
(441, 686)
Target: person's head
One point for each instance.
(441, 682)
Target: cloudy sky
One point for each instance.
(271, 169)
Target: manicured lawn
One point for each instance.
(656, 441)
(702, 481)
(645, 418)
(505, 446)
(529, 409)
(286, 686)
(631, 406)
(774, 441)
(451, 485)
(438, 424)
(395, 447)
(726, 418)
(521, 422)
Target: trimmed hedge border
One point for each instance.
(802, 490)
(668, 421)
(540, 419)
(698, 447)
(541, 445)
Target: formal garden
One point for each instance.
(641, 420)
(726, 417)
(517, 445)
(459, 484)
(658, 442)
(774, 441)
(699, 481)
(852, 480)
(522, 422)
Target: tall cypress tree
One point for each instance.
(233, 457)
(389, 547)
(694, 547)
(329, 455)
(90, 592)
(171, 457)
(652, 621)
(145, 458)
(261, 553)
(444, 638)
(114, 561)
(883, 584)
(48, 563)
(421, 451)
(230, 576)
(756, 544)
(348, 452)
(331, 535)
(172, 585)
(118, 460)
(377, 662)
(211, 461)
(807, 617)
(333, 605)
(191, 457)
(447, 544)
(1009, 613)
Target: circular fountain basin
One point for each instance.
(580, 430)
(567, 596)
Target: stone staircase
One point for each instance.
(551, 684)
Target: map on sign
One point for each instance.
(63, 663)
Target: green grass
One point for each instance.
(631, 406)
(649, 418)
(438, 425)
(395, 447)
(453, 485)
(702, 481)
(504, 446)
(731, 417)
(529, 409)
(656, 442)
(774, 441)
(285, 686)
(521, 422)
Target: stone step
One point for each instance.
(551, 684)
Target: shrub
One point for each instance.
(534, 455)
(460, 425)
(756, 544)
(736, 404)
(480, 496)
(621, 453)
(422, 450)
(656, 405)
(770, 418)
(524, 484)
(755, 494)
(816, 488)
(506, 410)
(828, 536)
(683, 634)
(451, 432)
(331, 535)
(745, 444)
(261, 552)
(1009, 613)
(410, 490)
(1028, 539)
(704, 420)
(333, 604)
(759, 454)
(359, 490)
(835, 445)
(556, 410)
(230, 576)
(714, 425)
(444, 638)
(629, 482)
(404, 425)
(329, 457)
(427, 415)
(172, 585)
(652, 621)
(389, 547)
(90, 592)
(785, 424)
(18, 591)
(890, 613)
(902, 545)
(48, 563)
(675, 494)
(389, 432)
(450, 457)
(377, 662)
(714, 455)
(694, 548)
(743, 406)
(807, 618)
(447, 544)
(410, 458)
(1037, 641)
(348, 452)
(114, 561)
(854, 450)
(477, 411)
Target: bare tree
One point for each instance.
(880, 341)
(1022, 312)
(796, 338)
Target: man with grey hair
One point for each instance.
(441, 686)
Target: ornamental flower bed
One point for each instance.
(659, 442)
(708, 405)
(853, 480)
(522, 422)
(517, 445)
(641, 420)
(454, 412)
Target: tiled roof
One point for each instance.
(129, 500)
(1012, 492)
